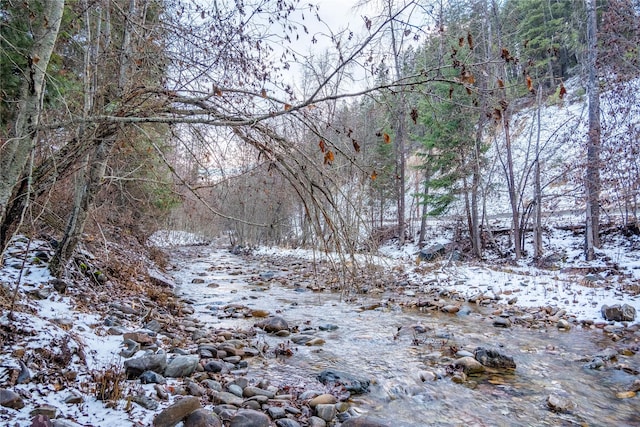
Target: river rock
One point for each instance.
(202, 418)
(351, 383)
(469, 365)
(276, 412)
(10, 399)
(323, 399)
(251, 391)
(317, 422)
(326, 412)
(181, 366)
(494, 359)
(235, 389)
(227, 398)
(618, 313)
(131, 350)
(558, 402)
(214, 366)
(150, 362)
(150, 377)
(273, 324)
(145, 401)
(502, 322)
(139, 337)
(563, 325)
(287, 422)
(249, 418)
(366, 421)
(607, 354)
(175, 413)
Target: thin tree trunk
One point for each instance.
(399, 142)
(14, 154)
(511, 182)
(537, 191)
(592, 178)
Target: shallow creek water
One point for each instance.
(370, 343)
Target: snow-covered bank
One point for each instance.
(567, 283)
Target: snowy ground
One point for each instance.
(568, 285)
(54, 322)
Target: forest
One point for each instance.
(130, 117)
(310, 213)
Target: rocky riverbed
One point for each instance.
(258, 340)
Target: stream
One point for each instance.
(387, 344)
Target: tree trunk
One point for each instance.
(511, 182)
(91, 180)
(15, 153)
(592, 178)
(399, 143)
(537, 191)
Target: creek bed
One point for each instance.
(382, 344)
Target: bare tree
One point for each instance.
(15, 153)
(592, 176)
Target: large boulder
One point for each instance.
(352, 383)
(618, 313)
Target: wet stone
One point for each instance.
(502, 322)
(469, 365)
(351, 383)
(273, 324)
(559, 402)
(323, 399)
(326, 412)
(494, 359)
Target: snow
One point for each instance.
(566, 287)
(169, 238)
